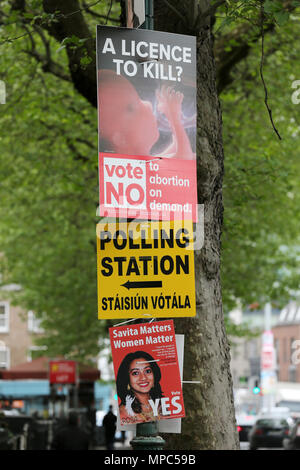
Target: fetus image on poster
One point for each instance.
(130, 125)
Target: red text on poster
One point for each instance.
(147, 188)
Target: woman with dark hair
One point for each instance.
(138, 382)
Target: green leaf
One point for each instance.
(271, 6)
(86, 60)
(282, 17)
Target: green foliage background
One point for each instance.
(260, 258)
(49, 181)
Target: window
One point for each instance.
(272, 423)
(277, 350)
(4, 357)
(246, 348)
(292, 374)
(284, 350)
(34, 352)
(34, 324)
(4, 317)
(253, 348)
(291, 348)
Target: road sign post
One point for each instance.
(147, 437)
(145, 267)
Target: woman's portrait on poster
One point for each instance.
(138, 381)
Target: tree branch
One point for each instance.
(77, 155)
(210, 12)
(84, 79)
(177, 12)
(261, 70)
(48, 65)
(242, 37)
(97, 15)
(227, 60)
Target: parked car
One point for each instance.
(244, 425)
(243, 432)
(292, 441)
(269, 432)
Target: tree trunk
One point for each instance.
(210, 421)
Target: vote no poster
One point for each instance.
(147, 372)
(147, 124)
(145, 269)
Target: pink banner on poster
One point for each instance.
(146, 187)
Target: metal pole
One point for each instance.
(268, 399)
(147, 437)
(149, 23)
(268, 315)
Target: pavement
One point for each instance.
(118, 446)
(246, 446)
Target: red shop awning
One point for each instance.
(38, 369)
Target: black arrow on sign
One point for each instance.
(139, 284)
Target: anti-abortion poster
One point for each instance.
(147, 372)
(147, 124)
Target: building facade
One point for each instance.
(18, 330)
(287, 343)
(246, 351)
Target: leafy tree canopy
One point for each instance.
(48, 160)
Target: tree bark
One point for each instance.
(210, 421)
(71, 22)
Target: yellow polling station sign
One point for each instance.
(145, 269)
